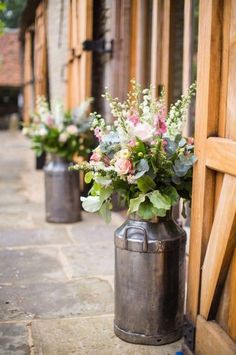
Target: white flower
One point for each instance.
(143, 131)
(25, 131)
(72, 129)
(42, 131)
(63, 137)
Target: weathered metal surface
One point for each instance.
(149, 281)
(62, 192)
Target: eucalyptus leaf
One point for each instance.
(182, 142)
(102, 180)
(91, 203)
(105, 212)
(105, 193)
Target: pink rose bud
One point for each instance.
(123, 166)
(190, 140)
(95, 157)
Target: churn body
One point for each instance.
(149, 281)
(62, 192)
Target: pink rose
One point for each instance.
(123, 166)
(95, 157)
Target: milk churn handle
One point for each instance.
(145, 240)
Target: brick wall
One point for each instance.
(10, 59)
(57, 19)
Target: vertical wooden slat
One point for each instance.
(28, 77)
(156, 45)
(133, 43)
(207, 113)
(142, 41)
(187, 53)
(40, 51)
(79, 61)
(223, 88)
(165, 50)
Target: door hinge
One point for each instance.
(189, 333)
(99, 45)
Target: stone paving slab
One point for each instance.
(30, 266)
(14, 339)
(16, 219)
(91, 296)
(88, 336)
(35, 236)
(81, 259)
(92, 229)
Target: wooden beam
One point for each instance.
(231, 99)
(206, 124)
(221, 244)
(212, 339)
(221, 155)
(232, 303)
(187, 54)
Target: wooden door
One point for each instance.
(79, 61)
(28, 89)
(40, 51)
(211, 298)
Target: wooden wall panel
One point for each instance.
(28, 89)
(79, 61)
(40, 51)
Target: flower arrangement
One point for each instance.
(143, 156)
(58, 132)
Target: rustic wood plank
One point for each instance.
(221, 244)
(28, 78)
(40, 52)
(212, 339)
(221, 155)
(165, 50)
(133, 42)
(231, 99)
(232, 293)
(223, 87)
(79, 62)
(187, 54)
(206, 123)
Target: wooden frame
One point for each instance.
(212, 260)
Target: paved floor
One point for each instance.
(56, 281)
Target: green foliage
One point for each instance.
(10, 12)
(143, 157)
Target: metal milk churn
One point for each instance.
(62, 192)
(149, 281)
